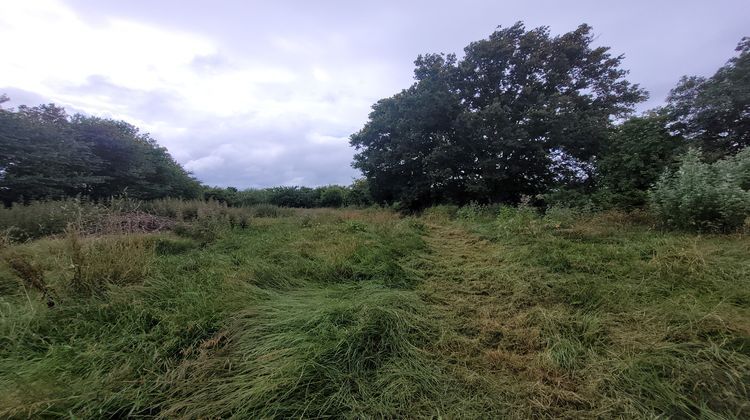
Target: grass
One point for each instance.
(458, 313)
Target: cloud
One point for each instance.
(232, 121)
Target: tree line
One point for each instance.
(48, 154)
(520, 114)
(524, 113)
(357, 194)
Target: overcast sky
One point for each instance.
(264, 93)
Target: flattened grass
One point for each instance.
(600, 315)
(461, 313)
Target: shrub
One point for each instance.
(474, 211)
(251, 197)
(469, 212)
(703, 196)
(359, 193)
(331, 196)
(135, 222)
(293, 196)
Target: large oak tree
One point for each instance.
(495, 124)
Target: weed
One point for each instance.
(31, 275)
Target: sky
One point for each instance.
(265, 93)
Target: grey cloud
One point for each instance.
(21, 97)
(368, 49)
(252, 157)
(154, 104)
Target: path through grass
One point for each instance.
(594, 319)
(368, 314)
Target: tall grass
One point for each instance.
(318, 353)
(485, 312)
(98, 263)
(122, 215)
(39, 218)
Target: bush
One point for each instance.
(441, 212)
(293, 196)
(359, 193)
(702, 196)
(331, 196)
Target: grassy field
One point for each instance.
(457, 313)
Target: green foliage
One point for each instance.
(492, 126)
(41, 218)
(228, 196)
(359, 193)
(50, 155)
(475, 211)
(712, 112)
(634, 157)
(331, 196)
(578, 199)
(704, 196)
(304, 197)
(269, 210)
(335, 196)
(441, 212)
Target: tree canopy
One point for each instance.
(714, 112)
(48, 154)
(493, 125)
(635, 155)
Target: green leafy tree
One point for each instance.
(41, 157)
(48, 154)
(359, 193)
(634, 157)
(714, 112)
(229, 195)
(404, 146)
(331, 196)
(132, 162)
(488, 127)
(303, 197)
